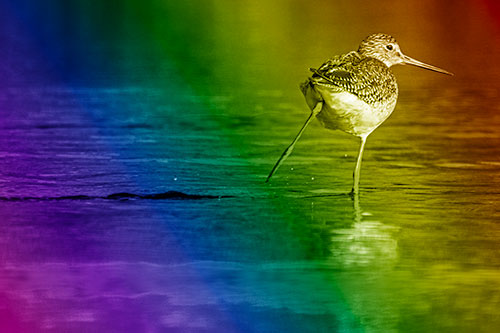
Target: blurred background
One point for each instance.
(136, 138)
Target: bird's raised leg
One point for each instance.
(289, 150)
(357, 169)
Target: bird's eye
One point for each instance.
(389, 47)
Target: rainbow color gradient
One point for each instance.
(136, 138)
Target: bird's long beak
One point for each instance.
(411, 61)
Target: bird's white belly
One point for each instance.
(346, 112)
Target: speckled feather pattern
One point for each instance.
(367, 78)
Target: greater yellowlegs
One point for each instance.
(355, 92)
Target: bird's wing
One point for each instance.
(368, 78)
(335, 70)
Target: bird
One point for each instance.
(355, 92)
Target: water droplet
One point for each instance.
(291, 169)
(175, 179)
(312, 178)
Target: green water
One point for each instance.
(417, 252)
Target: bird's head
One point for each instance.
(386, 49)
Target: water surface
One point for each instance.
(140, 204)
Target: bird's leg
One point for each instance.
(289, 150)
(357, 169)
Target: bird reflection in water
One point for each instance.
(368, 242)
